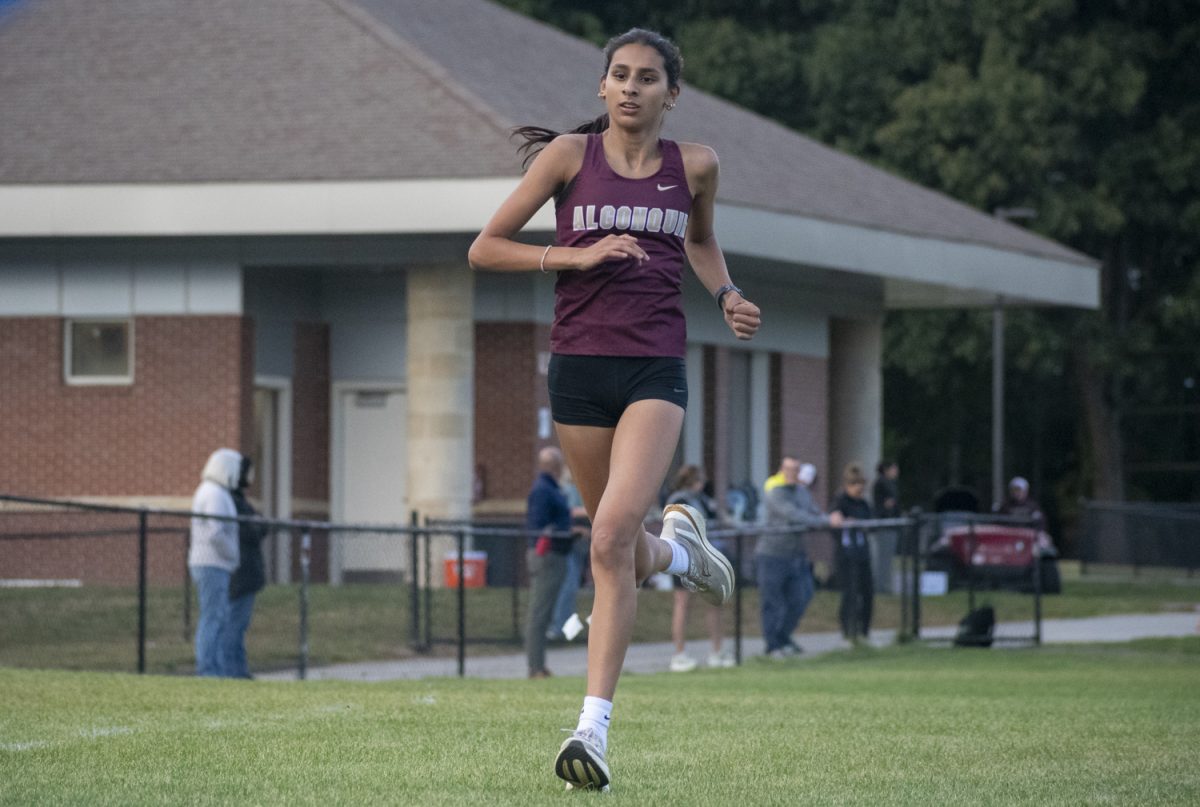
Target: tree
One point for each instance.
(1087, 112)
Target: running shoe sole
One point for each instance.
(712, 555)
(581, 767)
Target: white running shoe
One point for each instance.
(682, 662)
(709, 573)
(722, 660)
(580, 762)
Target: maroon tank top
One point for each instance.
(623, 308)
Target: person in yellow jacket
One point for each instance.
(808, 472)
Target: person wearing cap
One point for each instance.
(1020, 504)
(785, 578)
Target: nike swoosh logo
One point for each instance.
(666, 187)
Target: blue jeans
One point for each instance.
(212, 585)
(564, 606)
(785, 588)
(233, 638)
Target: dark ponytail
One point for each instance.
(538, 136)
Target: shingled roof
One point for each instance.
(170, 91)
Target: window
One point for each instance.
(99, 351)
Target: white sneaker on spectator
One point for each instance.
(682, 662)
(722, 660)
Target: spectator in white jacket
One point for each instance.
(213, 555)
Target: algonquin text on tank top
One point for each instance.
(633, 219)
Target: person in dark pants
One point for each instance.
(247, 580)
(853, 553)
(785, 578)
(547, 513)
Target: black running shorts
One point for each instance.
(595, 390)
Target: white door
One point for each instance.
(266, 431)
(272, 455)
(373, 465)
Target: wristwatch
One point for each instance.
(721, 292)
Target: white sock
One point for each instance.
(596, 714)
(679, 558)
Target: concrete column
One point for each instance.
(441, 395)
(855, 395)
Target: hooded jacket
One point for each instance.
(215, 543)
(251, 573)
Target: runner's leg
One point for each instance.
(619, 472)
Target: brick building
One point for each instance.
(246, 224)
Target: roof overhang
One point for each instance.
(917, 271)
(252, 208)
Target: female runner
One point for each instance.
(629, 207)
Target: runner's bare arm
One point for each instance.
(703, 251)
(495, 249)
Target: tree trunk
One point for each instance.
(1101, 427)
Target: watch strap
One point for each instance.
(721, 292)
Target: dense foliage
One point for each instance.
(1089, 113)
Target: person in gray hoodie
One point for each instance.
(213, 554)
(785, 578)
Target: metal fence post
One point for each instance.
(414, 594)
(971, 544)
(516, 595)
(516, 611)
(904, 535)
(737, 599)
(1085, 542)
(850, 593)
(918, 558)
(1037, 596)
(187, 587)
(462, 604)
(428, 590)
(141, 637)
(305, 548)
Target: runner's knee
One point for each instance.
(613, 545)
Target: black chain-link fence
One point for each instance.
(94, 587)
(1141, 536)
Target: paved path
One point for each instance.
(653, 657)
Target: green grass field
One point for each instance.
(95, 628)
(904, 725)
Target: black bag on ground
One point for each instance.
(975, 629)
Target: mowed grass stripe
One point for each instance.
(900, 726)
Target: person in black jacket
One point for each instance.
(853, 552)
(248, 579)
